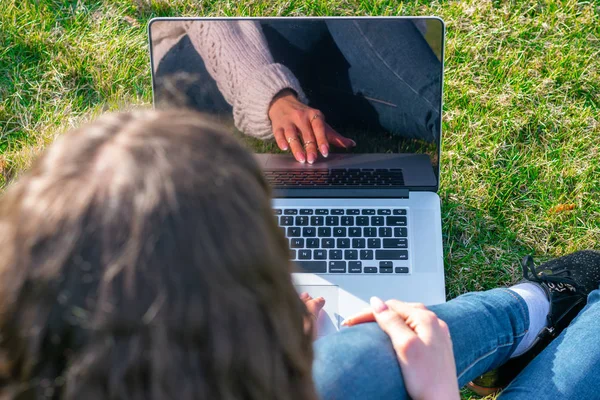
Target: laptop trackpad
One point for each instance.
(329, 318)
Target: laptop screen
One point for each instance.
(308, 87)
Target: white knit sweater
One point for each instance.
(237, 57)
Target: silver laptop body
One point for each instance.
(362, 222)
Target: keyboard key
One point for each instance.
(400, 232)
(384, 212)
(347, 221)
(359, 243)
(386, 270)
(286, 221)
(400, 212)
(350, 254)
(401, 270)
(362, 221)
(385, 232)
(320, 254)
(343, 243)
(306, 211)
(290, 211)
(367, 254)
(385, 264)
(324, 232)
(335, 254)
(304, 254)
(309, 232)
(391, 255)
(355, 232)
(312, 243)
(396, 221)
(337, 267)
(352, 211)
(301, 221)
(297, 243)
(278, 211)
(355, 267)
(332, 221)
(315, 267)
(374, 243)
(339, 232)
(328, 243)
(368, 212)
(370, 232)
(321, 211)
(337, 212)
(377, 221)
(370, 270)
(395, 243)
(317, 221)
(293, 231)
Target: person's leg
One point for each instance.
(394, 68)
(359, 362)
(569, 367)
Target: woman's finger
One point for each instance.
(291, 137)
(336, 139)
(308, 138)
(416, 305)
(360, 318)
(407, 310)
(315, 306)
(318, 124)
(279, 134)
(422, 321)
(304, 296)
(394, 325)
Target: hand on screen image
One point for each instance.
(303, 129)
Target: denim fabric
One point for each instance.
(360, 363)
(486, 327)
(569, 368)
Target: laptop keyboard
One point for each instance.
(336, 177)
(347, 240)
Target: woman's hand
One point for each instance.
(422, 344)
(295, 124)
(314, 307)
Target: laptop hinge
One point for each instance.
(371, 192)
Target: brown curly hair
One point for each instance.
(141, 260)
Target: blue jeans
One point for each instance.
(486, 327)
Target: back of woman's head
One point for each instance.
(140, 260)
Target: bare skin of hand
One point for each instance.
(302, 129)
(314, 307)
(422, 344)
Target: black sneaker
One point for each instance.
(567, 281)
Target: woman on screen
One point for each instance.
(304, 82)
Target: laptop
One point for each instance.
(365, 220)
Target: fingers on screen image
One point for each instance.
(308, 87)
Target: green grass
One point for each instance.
(521, 130)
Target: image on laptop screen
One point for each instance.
(373, 84)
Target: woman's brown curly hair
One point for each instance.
(141, 260)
